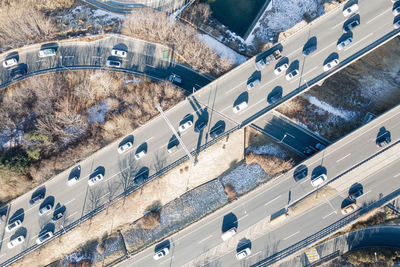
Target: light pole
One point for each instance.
(61, 57)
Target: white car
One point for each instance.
(46, 236)
(10, 62)
(73, 181)
(350, 10)
(185, 126)
(48, 52)
(291, 74)
(95, 179)
(12, 226)
(243, 253)
(161, 253)
(140, 154)
(16, 241)
(118, 53)
(125, 147)
(281, 69)
(396, 25)
(316, 181)
(228, 234)
(396, 11)
(240, 107)
(344, 43)
(45, 209)
(331, 64)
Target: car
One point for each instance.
(44, 237)
(396, 25)
(175, 79)
(243, 253)
(316, 181)
(396, 11)
(17, 73)
(38, 198)
(281, 69)
(331, 64)
(260, 65)
(45, 209)
(183, 127)
(140, 154)
(14, 225)
(72, 181)
(95, 179)
(239, 107)
(344, 43)
(300, 174)
(118, 53)
(172, 148)
(200, 126)
(353, 195)
(350, 26)
(383, 140)
(10, 62)
(47, 52)
(309, 49)
(113, 63)
(274, 96)
(349, 208)
(320, 146)
(350, 10)
(125, 147)
(214, 133)
(228, 234)
(76, 172)
(308, 151)
(253, 84)
(57, 216)
(16, 241)
(292, 74)
(161, 253)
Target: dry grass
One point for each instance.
(230, 192)
(150, 220)
(367, 256)
(271, 164)
(156, 26)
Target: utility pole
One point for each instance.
(175, 133)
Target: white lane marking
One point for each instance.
(115, 174)
(66, 203)
(322, 50)
(359, 41)
(167, 260)
(204, 239)
(342, 158)
(286, 238)
(242, 217)
(222, 111)
(369, 21)
(234, 88)
(294, 52)
(295, 79)
(304, 74)
(337, 25)
(258, 102)
(329, 214)
(396, 175)
(272, 200)
(71, 214)
(104, 195)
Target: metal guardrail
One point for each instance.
(323, 259)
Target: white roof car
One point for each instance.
(228, 234)
(12, 226)
(118, 53)
(396, 25)
(331, 64)
(161, 253)
(125, 147)
(240, 107)
(316, 181)
(253, 84)
(10, 62)
(73, 181)
(140, 154)
(46, 236)
(282, 68)
(243, 253)
(344, 43)
(350, 10)
(185, 126)
(95, 179)
(396, 11)
(48, 52)
(45, 209)
(291, 74)
(113, 63)
(16, 241)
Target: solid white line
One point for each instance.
(353, 44)
(369, 21)
(204, 239)
(329, 214)
(306, 180)
(104, 195)
(242, 217)
(258, 102)
(272, 200)
(66, 203)
(366, 193)
(291, 235)
(234, 88)
(343, 157)
(294, 52)
(396, 175)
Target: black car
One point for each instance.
(383, 140)
(356, 193)
(300, 174)
(200, 126)
(36, 199)
(216, 132)
(309, 49)
(274, 96)
(17, 73)
(57, 216)
(351, 26)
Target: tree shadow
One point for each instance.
(159, 162)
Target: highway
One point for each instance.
(205, 236)
(212, 103)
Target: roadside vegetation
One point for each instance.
(51, 121)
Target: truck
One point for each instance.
(262, 62)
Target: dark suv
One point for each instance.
(356, 193)
(383, 140)
(309, 49)
(351, 25)
(17, 73)
(216, 132)
(300, 174)
(38, 198)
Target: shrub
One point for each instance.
(150, 220)
(230, 192)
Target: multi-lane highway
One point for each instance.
(203, 239)
(213, 104)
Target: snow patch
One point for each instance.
(344, 114)
(134, 80)
(10, 138)
(96, 113)
(244, 177)
(221, 49)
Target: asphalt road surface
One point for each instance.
(213, 104)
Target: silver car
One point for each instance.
(45, 209)
(281, 69)
(344, 43)
(316, 181)
(331, 64)
(46, 236)
(240, 107)
(292, 74)
(161, 253)
(125, 147)
(185, 126)
(10, 62)
(95, 179)
(16, 241)
(350, 10)
(12, 226)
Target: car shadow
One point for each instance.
(300, 172)
(98, 170)
(127, 139)
(310, 42)
(283, 60)
(141, 175)
(75, 172)
(275, 95)
(318, 171)
(229, 221)
(164, 244)
(48, 200)
(243, 243)
(293, 66)
(19, 214)
(331, 57)
(39, 191)
(243, 97)
(143, 147)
